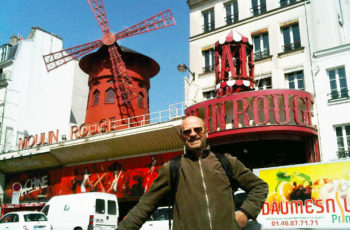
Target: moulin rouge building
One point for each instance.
(121, 155)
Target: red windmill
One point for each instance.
(111, 65)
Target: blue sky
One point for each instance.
(74, 22)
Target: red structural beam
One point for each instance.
(122, 83)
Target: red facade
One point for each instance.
(103, 103)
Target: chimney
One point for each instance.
(14, 39)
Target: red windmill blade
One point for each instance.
(56, 59)
(98, 8)
(158, 21)
(122, 81)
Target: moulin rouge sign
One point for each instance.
(84, 130)
(262, 108)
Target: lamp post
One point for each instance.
(183, 68)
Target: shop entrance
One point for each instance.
(267, 153)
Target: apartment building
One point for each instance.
(299, 45)
(34, 101)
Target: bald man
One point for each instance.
(203, 199)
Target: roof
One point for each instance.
(130, 57)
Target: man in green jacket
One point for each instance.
(203, 200)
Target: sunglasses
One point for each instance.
(187, 132)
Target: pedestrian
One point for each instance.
(203, 199)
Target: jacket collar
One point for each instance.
(191, 155)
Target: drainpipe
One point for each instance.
(341, 21)
(312, 74)
(2, 121)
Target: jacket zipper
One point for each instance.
(206, 195)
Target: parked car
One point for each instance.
(158, 220)
(26, 220)
(83, 211)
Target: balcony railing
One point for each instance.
(233, 18)
(343, 154)
(209, 68)
(286, 2)
(342, 94)
(208, 27)
(258, 10)
(262, 54)
(292, 46)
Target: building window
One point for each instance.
(100, 206)
(111, 82)
(209, 20)
(231, 12)
(96, 97)
(337, 81)
(4, 52)
(286, 2)
(258, 7)
(261, 46)
(9, 139)
(110, 96)
(208, 60)
(296, 80)
(263, 83)
(140, 84)
(291, 37)
(343, 140)
(140, 100)
(209, 94)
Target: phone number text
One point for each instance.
(296, 223)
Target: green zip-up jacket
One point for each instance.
(203, 200)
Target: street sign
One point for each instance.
(16, 187)
(15, 197)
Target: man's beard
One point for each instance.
(201, 147)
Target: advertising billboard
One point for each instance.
(315, 195)
(127, 178)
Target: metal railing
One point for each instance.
(262, 54)
(174, 112)
(208, 27)
(209, 68)
(292, 46)
(286, 2)
(343, 154)
(231, 18)
(257, 10)
(341, 94)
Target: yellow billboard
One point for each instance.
(313, 195)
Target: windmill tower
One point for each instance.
(118, 77)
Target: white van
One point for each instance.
(83, 211)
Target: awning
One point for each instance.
(149, 139)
